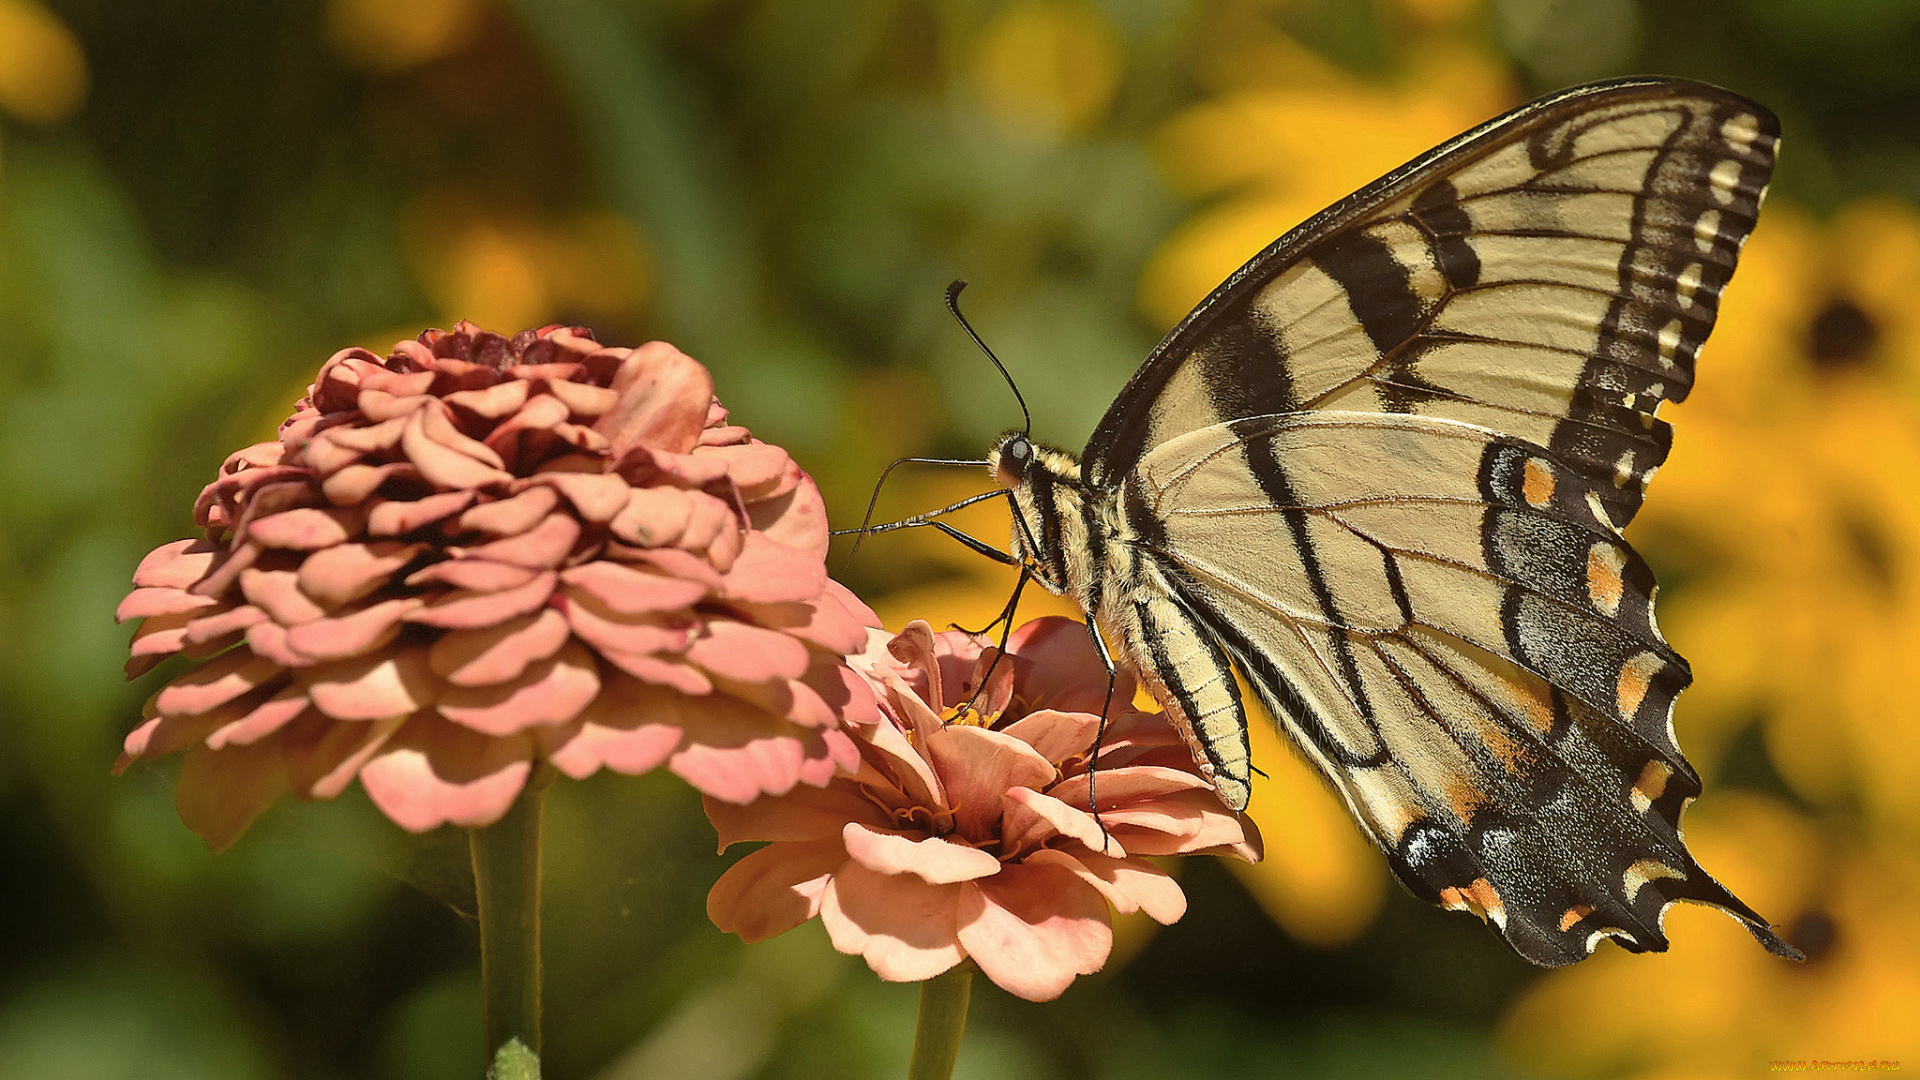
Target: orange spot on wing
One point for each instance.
(1636, 677)
(1604, 584)
(1573, 915)
(1479, 898)
(1536, 482)
(1651, 785)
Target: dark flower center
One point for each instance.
(1841, 335)
(1814, 933)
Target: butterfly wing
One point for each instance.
(1549, 275)
(1384, 467)
(1446, 623)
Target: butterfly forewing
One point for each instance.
(1549, 276)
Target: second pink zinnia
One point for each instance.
(966, 833)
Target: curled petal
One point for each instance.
(608, 632)
(433, 773)
(737, 752)
(935, 859)
(1130, 884)
(627, 591)
(476, 575)
(158, 637)
(904, 927)
(583, 400)
(343, 574)
(978, 766)
(805, 813)
(551, 691)
(216, 683)
(373, 687)
(662, 404)
(1057, 736)
(769, 572)
(323, 756)
(208, 628)
(263, 720)
(142, 603)
(221, 791)
(1032, 818)
(493, 402)
(1067, 672)
(796, 518)
(511, 516)
(669, 673)
(595, 497)
(631, 727)
(176, 566)
(351, 633)
(653, 517)
(441, 464)
(396, 518)
(1033, 927)
(277, 592)
(1129, 785)
(467, 609)
(1174, 824)
(543, 547)
(305, 529)
(774, 889)
(495, 654)
(354, 484)
(737, 650)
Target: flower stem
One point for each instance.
(506, 880)
(943, 1019)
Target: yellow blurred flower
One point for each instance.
(1288, 135)
(1717, 1007)
(519, 269)
(1791, 509)
(1321, 881)
(1050, 66)
(43, 73)
(390, 36)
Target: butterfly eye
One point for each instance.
(1015, 454)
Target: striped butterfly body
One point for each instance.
(1382, 472)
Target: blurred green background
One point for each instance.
(200, 201)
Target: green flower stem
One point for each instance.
(506, 880)
(943, 1019)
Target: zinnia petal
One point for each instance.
(977, 766)
(905, 928)
(434, 772)
(935, 859)
(773, 889)
(1033, 927)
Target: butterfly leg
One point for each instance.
(1100, 732)
(1005, 618)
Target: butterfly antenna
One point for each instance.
(953, 305)
(866, 522)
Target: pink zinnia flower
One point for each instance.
(966, 831)
(479, 552)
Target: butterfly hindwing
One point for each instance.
(1446, 624)
(1548, 276)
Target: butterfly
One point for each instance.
(1381, 473)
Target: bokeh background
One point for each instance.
(200, 201)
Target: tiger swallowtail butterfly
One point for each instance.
(1382, 472)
